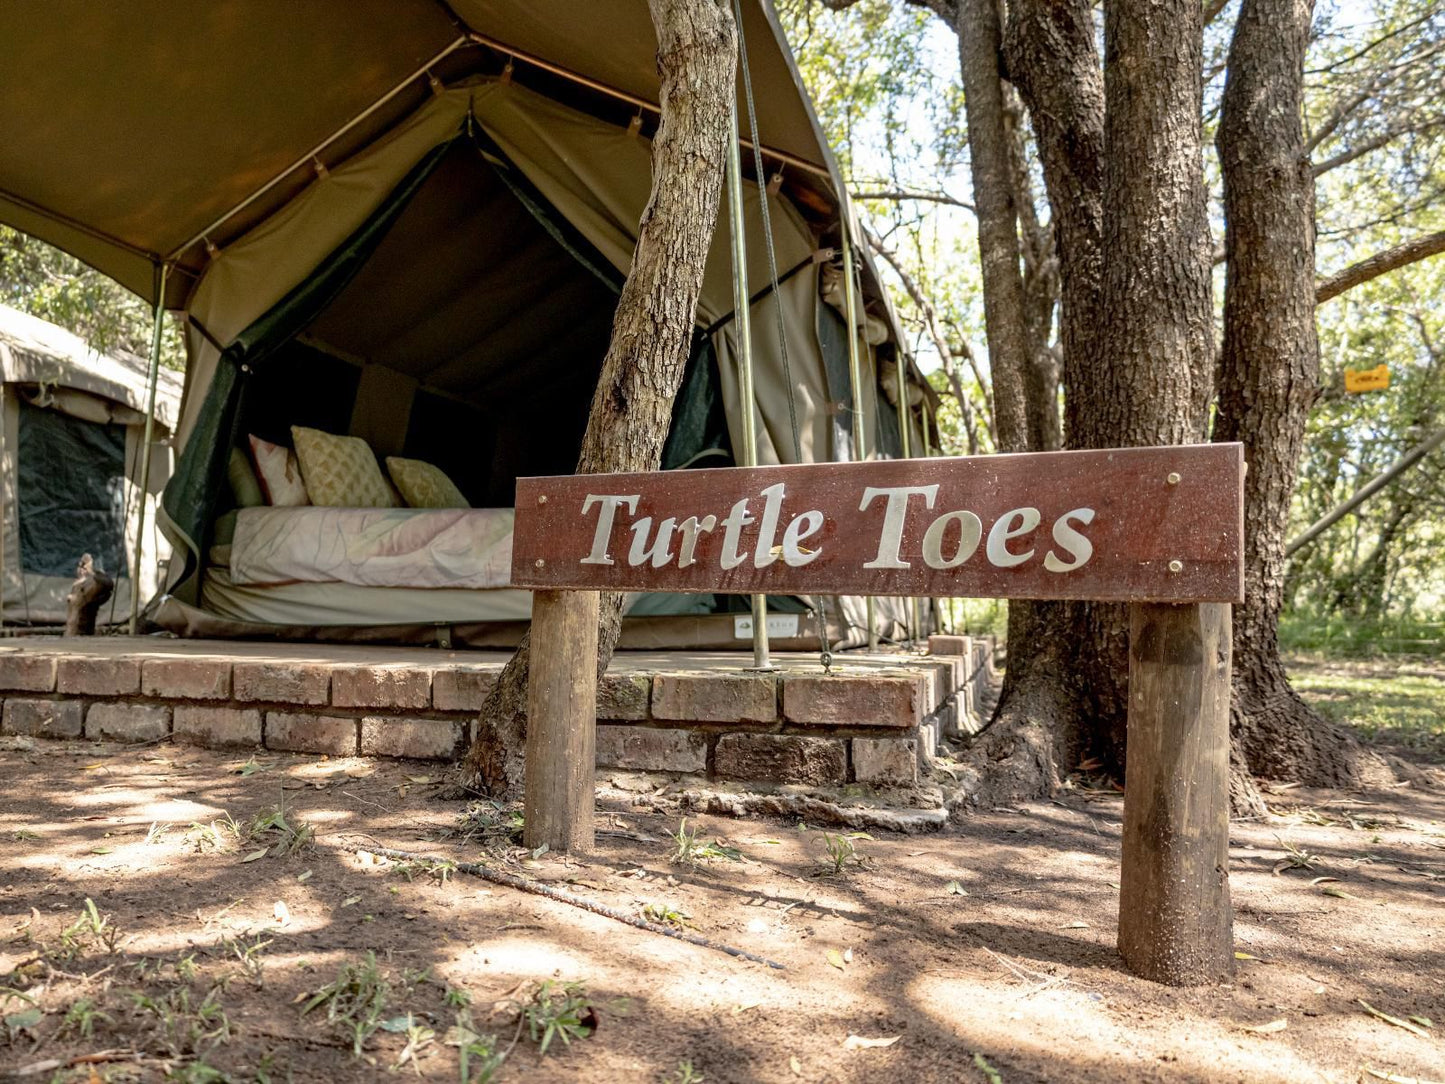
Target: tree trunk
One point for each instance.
(1269, 374)
(979, 44)
(1044, 718)
(652, 330)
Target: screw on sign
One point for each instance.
(1160, 528)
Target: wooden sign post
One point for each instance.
(1160, 528)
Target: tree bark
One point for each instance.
(652, 330)
(1269, 373)
(979, 45)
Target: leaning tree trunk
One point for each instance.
(652, 330)
(1269, 374)
(979, 38)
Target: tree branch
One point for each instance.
(1380, 263)
(1370, 145)
(925, 197)
(940, 341)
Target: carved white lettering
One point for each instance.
(891, 537)
(970, 530)
(609, 503)
(733, 524)
(809, 523)
(659, 552)
(1077, 546)
(1012, 524)
(763, 554)
(691, 529)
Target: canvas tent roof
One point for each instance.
(135, 133)
(35, 351)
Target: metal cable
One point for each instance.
(760, 175)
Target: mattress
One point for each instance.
(469, 548)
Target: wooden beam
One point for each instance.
(1176, 925)
(562, 722)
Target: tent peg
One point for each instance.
(320, 167)
(507, 70)
(634, 126)
(437, 87)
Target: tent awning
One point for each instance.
(134, 133)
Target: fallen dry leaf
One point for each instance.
(1413, 1029)
(1267, 1029)
(862, 1042)
(254, 855)
(836, 959)
(795, 1065)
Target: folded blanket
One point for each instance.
(373, 547)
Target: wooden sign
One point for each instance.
(1130, 525)
(1376, 379)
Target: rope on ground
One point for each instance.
(526, 884)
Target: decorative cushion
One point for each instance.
(340, 472)
(245, 486)
(423, 485)
(279, 473)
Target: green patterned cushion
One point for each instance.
(423, 485)
(340, 472)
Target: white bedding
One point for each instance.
(373, 547)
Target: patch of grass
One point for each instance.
(840, 852)
(1340, 636)
(355, 1003)
(664, 914)
(1295, 858)
(558, 1010)
(89, 931)
(440, 870)
(688, 850)
(185, 1030)
(478, 1058)
(490, 824)
(285, 834)
(215, 836)
(684, 1074)
(1383, 705)
(81, 1018)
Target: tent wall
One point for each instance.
(33, 587)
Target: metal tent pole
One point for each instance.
(855, 369)
(905, 440)
(747, 392)
(157, 330)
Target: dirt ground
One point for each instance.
(983, 952)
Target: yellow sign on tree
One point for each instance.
(1376, 379)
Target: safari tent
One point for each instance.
(72, 426)
(408, 221)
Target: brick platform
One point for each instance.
(875, 719)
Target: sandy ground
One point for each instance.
(981, 953)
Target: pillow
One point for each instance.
(423, 485)
(340, 472)
(245, 486)
(279, 473)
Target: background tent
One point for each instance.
(71, 429)
(414, 216)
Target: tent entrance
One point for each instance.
(468, 330)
